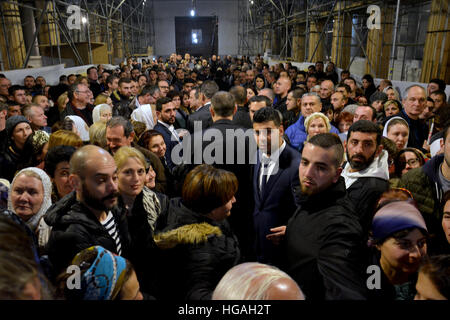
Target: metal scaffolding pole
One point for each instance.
(391, 64)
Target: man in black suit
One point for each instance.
(228, 146)
(202, 114)
(275, 179)
(166, 111)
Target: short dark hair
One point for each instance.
(209, 88)
(365, 126)
(446, 127)
(437, 268)
(240, 94)
(146, 90)
(121, 121)
(111, 78)
(223, 103)
(14, 88)
(147, 136)
(268, 114)
(260, 99)
(162, 101)
(89, 69)
(297, 93)
(124, 80)
(439, 82)
(440, 93)
(327, 141)
(63, 78)
(57, 155)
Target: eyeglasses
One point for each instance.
(86, 91)
(411, 162)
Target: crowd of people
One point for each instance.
(223, 178)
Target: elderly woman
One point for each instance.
(29, 198)
(399, 239)
(198, 244)
(143, 208)
(317, 123)
(102, 112)
(104, 276)
(397, 129)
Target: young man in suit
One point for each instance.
(275, 179)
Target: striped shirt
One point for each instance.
(110, 225)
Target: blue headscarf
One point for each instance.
(105, 276)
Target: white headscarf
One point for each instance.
(82, 127)
(46, 202)
(98, 110)
(385, 129)
(144, 114)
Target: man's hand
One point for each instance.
(277, 235)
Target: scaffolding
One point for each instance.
(106, 31)
(338, 31)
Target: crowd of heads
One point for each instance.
(85, 136)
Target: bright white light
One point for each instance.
(251, 2)
(195, 41)
(83, 20)
(192, 12)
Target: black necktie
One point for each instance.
(264, 177)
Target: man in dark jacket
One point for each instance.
(275, 177)
(428, 185)
(367, 171)
(202, 114)
(78, 105)
(241, 117)
(88, 216)
(121, 99)
(323, 237)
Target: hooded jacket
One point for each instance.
(75, 227)
(365, 187)
(324, 247)
(196, 253)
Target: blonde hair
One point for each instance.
(316, 115)
(97, 134)
(101, 99)
(249, 281)
(61, 101)
(66, 138)
(124, 153)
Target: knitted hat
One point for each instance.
(377, 96)
(396, 216)
(12, 122)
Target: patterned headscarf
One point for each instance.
(105, 276)
(46, 202)
(39, 139)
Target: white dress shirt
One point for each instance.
(271, 162)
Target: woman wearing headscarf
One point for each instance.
(397, 130)
(102, 112)
(81, 128)
(104, 276)
(29, 198)
(399, 243)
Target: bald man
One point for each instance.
(245, 282)
(281, 89)
(87, 216)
